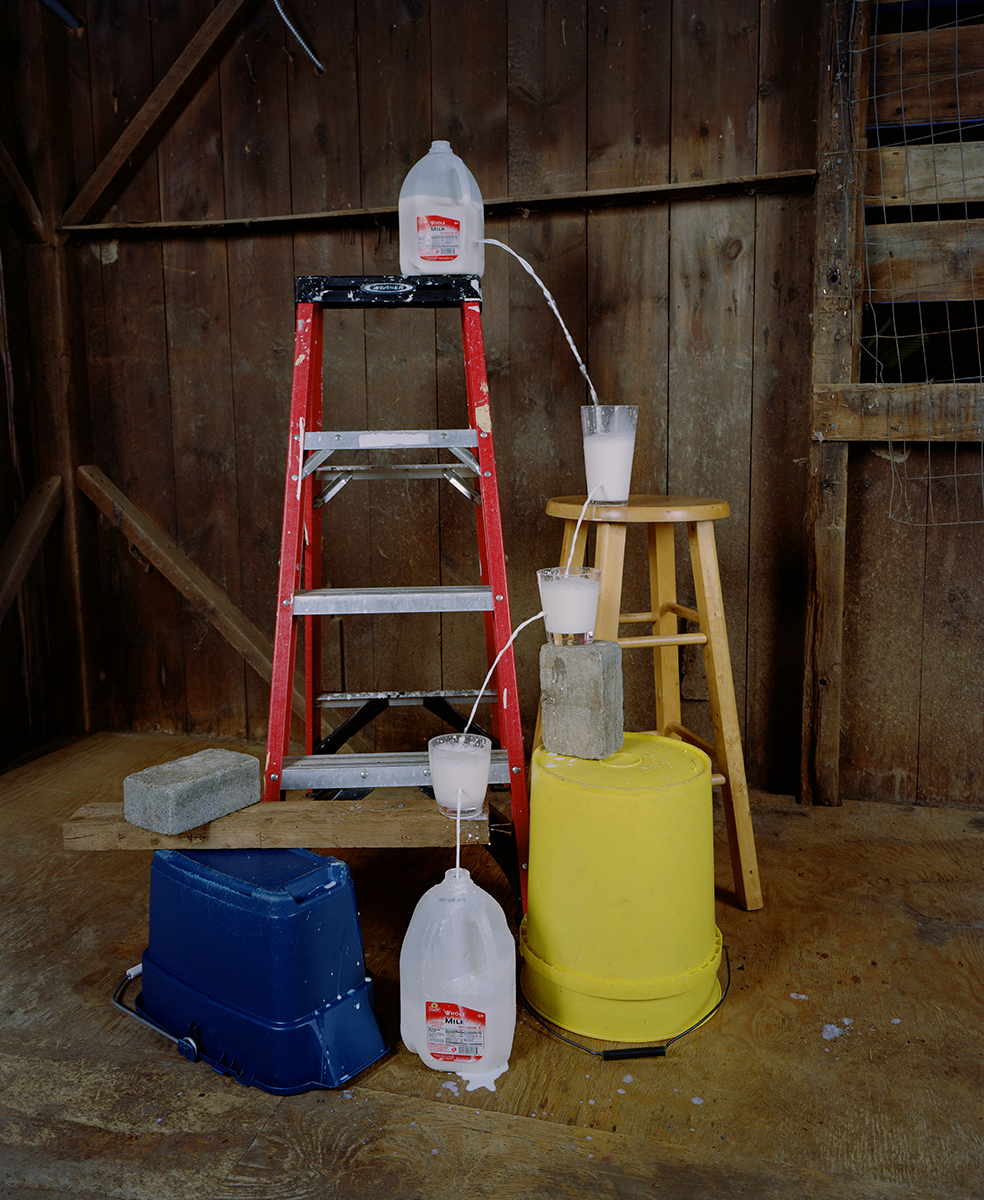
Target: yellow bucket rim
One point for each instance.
(649, 989)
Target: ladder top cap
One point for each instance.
(641, 509)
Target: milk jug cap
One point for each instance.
(440, 148)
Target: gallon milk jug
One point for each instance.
(458, 980)
(442, 221)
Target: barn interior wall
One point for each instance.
(696, 308)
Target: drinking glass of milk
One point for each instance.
(569, 599)
(609, 442)
(459, 771)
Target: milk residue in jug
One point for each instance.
(442, 220)
(458, 981)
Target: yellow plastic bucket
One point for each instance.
(619, 941)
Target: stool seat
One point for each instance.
(642, 509)
(660, 514)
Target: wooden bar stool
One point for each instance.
(659, 514)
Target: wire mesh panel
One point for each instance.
(918, 163)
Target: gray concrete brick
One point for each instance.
(176, 796)
(581, 697)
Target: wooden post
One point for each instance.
(834, 361)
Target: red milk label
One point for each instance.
(438, 238)
(454, 1033)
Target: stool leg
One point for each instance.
(662, 590)
(609, 557)
(724, 712)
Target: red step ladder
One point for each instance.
(300, 595)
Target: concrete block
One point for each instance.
(176, 796)
(581, 698)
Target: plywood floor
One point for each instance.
(846, 1062)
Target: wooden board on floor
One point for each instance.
(839, 1066)
(387, 817)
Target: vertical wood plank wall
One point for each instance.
(697, 310)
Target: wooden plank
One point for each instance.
(400, 817)
(914, 412)
(253, 96)
(834, 360)
(540, 448)
(26, 536)
(933, 260)
(628, 66)
(145, 659)
(516, 204)
(904, 175)
(788, 70)
(196, 297)
(466, 108)
(165, 103)
(778, 486)
(16, 201)
(927, 76)
(950, 768)
(403, 521)
(715, 88)
(324, 169)
(712, 271)
(628, 72)
(884, 614)
(826, 519)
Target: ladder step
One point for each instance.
(350, 601)
(389, 439)
(387, 291)
(316, 771)
(357, 699)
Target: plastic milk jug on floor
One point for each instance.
(442, 221)
(458, 980)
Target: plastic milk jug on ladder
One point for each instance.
(458, 981)
(442, 221)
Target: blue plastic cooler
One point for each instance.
(256, 955)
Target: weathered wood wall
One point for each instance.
(694, 306)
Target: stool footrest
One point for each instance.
(665, 639)
(681, 610)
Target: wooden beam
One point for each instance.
(18, 203)
(927, 76)
(771, 183)
(917, 412)
(159, 549)
(834, 361)
(827, 519)
(927, 260)
(164, 105)
(905, 175)
(26, 537)
(399, 817)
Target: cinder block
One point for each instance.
(581, 698)
(176, 796)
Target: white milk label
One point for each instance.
(438, 238)
(454, 1033)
